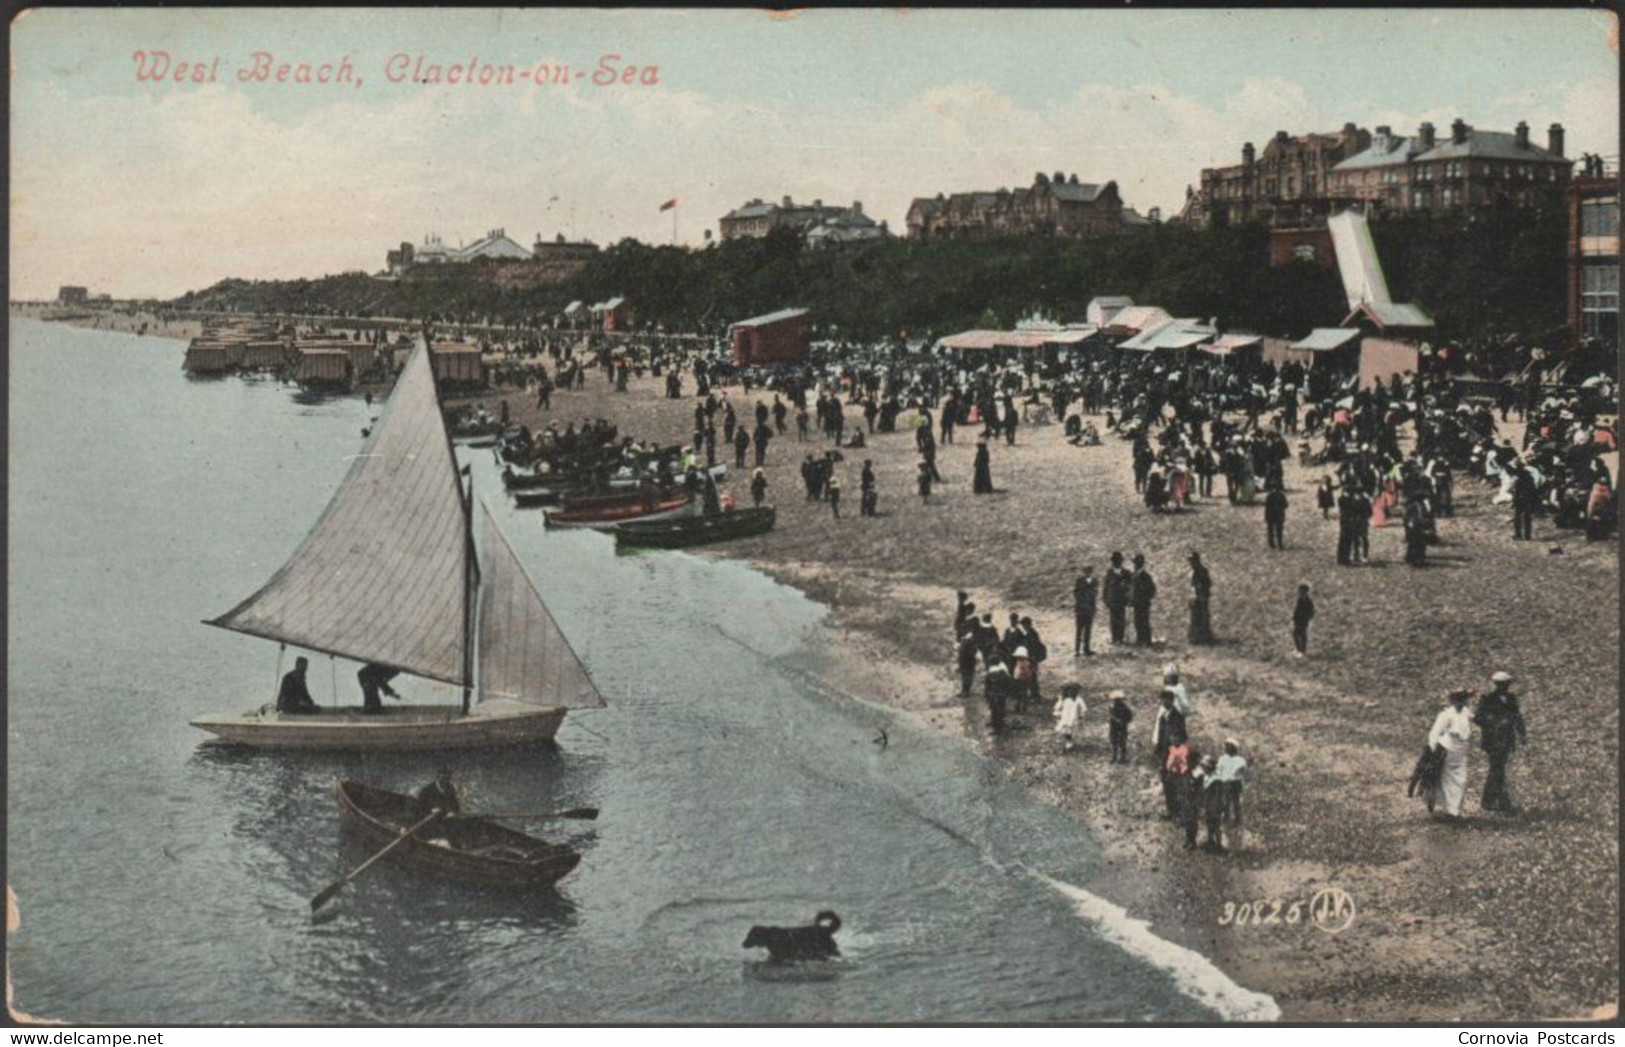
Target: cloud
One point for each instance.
(162, 191)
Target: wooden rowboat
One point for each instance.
(695, 530)
(604, 519)
(462, 847)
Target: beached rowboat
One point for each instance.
(604, 519)
(462, 847)
(695, 530)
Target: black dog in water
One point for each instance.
(784, 944)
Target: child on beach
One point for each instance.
(1069, 715)
(1324, 498)
(1117, 727)
(1302, 613)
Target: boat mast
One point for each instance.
(470, 567)
(470, 583)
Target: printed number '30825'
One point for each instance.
(1261, 912)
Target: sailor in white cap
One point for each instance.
(1501, 730)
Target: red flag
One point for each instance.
(669, 204)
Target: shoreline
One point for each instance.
(1515, 914)
(1448, 919)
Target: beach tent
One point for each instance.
(1171, 335)
(1325, 347)
(208, 358)
(1103, 308)
(323, 366)
(459, 363)
(264, 356)
(1134, 319)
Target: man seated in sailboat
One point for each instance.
(374, 678)
(293, 696)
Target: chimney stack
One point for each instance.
(1554, 140)
(1384, 131)
(1424, 135)
(857, 207)
(1522, 132)
(787, 204)
(1458, 131)
(1247, 154)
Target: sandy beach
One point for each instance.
(104, 319)
(1503, 918)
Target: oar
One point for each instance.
(586, 814)
(334, 888)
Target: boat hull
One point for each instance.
(465, 849)
(605, 519)
(489, 725)
(697, 530)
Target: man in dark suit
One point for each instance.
(1085, 594)
(1116, 592)
(1275, 517)
(1501, 731)
(1201, 626)
(1142, 590)
(1347, 505)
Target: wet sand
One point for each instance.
(1499, 919)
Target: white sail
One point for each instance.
(523, 655)
(382, 576)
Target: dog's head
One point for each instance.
(756, 938)
(827, 919)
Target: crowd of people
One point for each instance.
(1186, 423)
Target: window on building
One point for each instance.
(1452, 197)
(1599, 300)
(1599, 217)
(1419, 199)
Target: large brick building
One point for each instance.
(1286, 186)
(1467, 170)
(1052, 206)
(756, 219)
(1593, 216)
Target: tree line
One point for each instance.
(1493, 274)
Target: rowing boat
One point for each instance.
(461, 847)
(605, 518)
(694, 530)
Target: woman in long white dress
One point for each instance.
(1069, 716)
(1452, 729)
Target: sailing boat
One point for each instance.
(390, 575)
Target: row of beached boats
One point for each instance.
(639, 496)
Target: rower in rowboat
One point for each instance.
(439, 795)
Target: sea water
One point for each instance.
(162, 878)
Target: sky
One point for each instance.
(140, 188)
